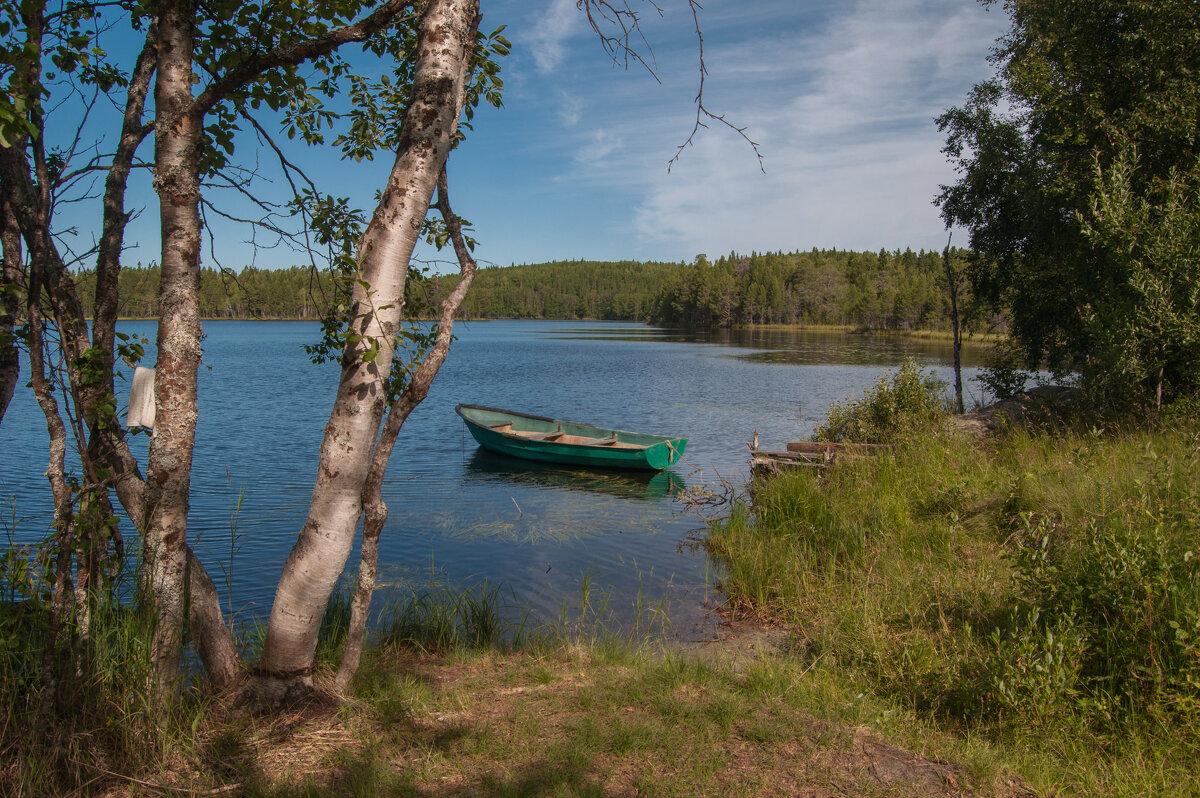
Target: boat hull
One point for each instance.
(551, 440)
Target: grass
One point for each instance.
(912, 580)
(573, 711)
(563, 722)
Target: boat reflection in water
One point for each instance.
(488, 466)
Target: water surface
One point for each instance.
(462, 516)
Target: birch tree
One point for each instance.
(211, 65)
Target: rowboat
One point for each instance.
(554, 441)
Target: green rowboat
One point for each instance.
(553, 441)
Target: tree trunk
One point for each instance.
(316, 561)
(952, 284)
(106, 439)
(176, 179)
(375, 511)
(10, 355)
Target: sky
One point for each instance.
(839, 98)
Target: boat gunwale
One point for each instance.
(658, 439)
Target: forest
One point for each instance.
(885, 290)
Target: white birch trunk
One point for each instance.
(176, 179)
(320, 553)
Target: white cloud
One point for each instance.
(570, 109)
(598, 145)
(549, 33)
(841, 98)
(846, 124)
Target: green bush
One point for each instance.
(897, 404)
(1033, 670)
(1003, 377)
(1126, 583)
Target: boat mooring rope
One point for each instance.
(679, 456)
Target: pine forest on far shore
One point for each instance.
(897, 290)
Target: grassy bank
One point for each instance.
(442, 706)
(972, 339)
(1034, 595)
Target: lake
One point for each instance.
(459, 516)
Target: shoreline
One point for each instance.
(971, 339)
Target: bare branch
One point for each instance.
(702, 112)
(603, 15)
(262, 223)
(619, 17)
(288, 167)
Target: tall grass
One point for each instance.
(1031, 588)
(78, 709)
(440, 619)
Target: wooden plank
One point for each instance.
(812, 454)
(848, 448)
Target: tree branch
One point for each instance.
(294, 54)
(702, 112)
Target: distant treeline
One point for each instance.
(884, 290)
(296, 293)
(565, 290)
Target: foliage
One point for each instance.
(897, 404)
(1126, 583)
(1075, 81)
(77, 701)
(1033, 670)
(1148, 337)
(1035, 589)
(1003, 376)
(885, 290)
(897, 290)
(580, 289)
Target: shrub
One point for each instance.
(1124, 586)
(897, 404)
(1003, 377)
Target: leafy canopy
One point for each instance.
(1078, 83)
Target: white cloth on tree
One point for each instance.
(141, 399)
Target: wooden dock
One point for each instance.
(811, 454)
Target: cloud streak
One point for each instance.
(549, 34)
(846, 123)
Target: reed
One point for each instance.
(441, 619)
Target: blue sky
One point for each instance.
(840, 97)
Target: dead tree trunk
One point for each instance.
(952, 284)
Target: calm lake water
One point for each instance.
(460, 516)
